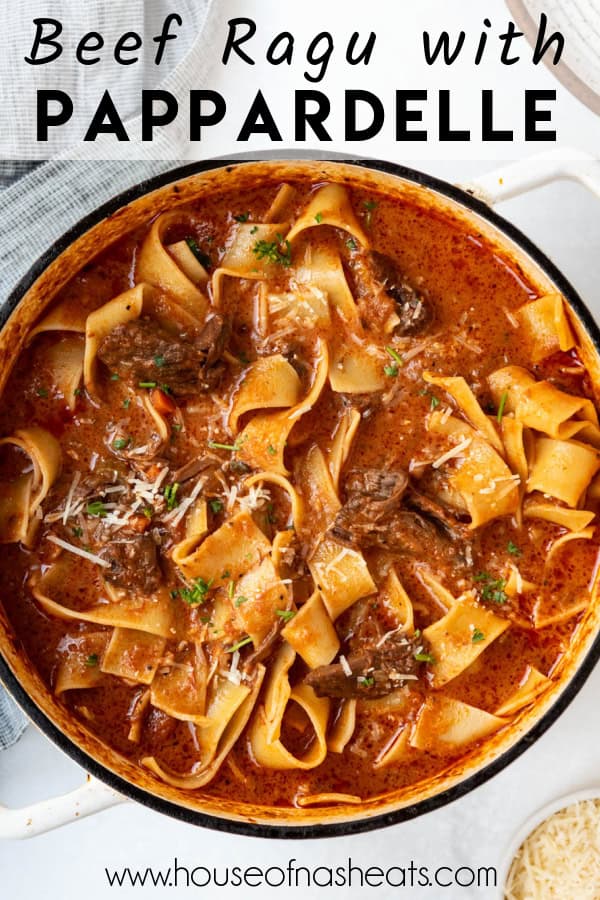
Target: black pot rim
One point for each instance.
(336, 829)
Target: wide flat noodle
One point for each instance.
(322, 271)
(262, 442)
(460, 391)
(265, 728)
(446, 725)
(133, 655)
(456, 640)
(28, 492)
(396, 749)
(343, 727)
(70, 315)
(306, 306)
(179, 689)
(341, 574)
(547, 325)
(338, 451)
(480, 476)
(157, 266)
(228, 712)
(189, 263)
(573, 519)
(330, 205)
(317, 490)
(126, 307)
(79, 661)
(263, 593)
(396, 600)
(311, 633)
(236, 546)
(356, 369)
(269, 382)
(562, 469)
(153, 614)
(532, 685)
(296, 502)
(196, 528)
(64, 360)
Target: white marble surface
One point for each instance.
(69, 863)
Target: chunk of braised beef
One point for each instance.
(413, 310)
(438, 514)
(370, 672)
(370, 495)
(145, 351)
(133, 562)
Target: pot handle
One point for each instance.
(89, 798)
(535, 171)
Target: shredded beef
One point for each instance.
(413, 310)
(133, 562)
(142, 350)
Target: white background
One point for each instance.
(565, 222)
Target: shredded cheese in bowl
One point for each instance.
(560, 858)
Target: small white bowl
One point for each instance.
(592, 793)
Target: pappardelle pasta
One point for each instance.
(298, 494)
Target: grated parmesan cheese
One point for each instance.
(78, 551)
(452, 453)
(560, 860)
(345, 666)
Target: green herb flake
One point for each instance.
(503, 400)
(197, 592)
(370, 206)
(177, 426)
(170, 495)
(77, 531)
(214, 445)
(96, 508)
(435, 402)
(202, 258)
(239, 601)
(424, 657)
(351, 244)
(239, 645)
(285, 614)
(147, 384)
(114, 376)
(319, 218)
(394, 355)
(278, 252)
(121, 443)
(126, 402)
(254, 229)
(42, 392)
(392, 371)
(92, 660)
(243, 217)
(159, 361)
(226, 574)
(513, 549)
(477, 636)
(148, 512)
(77, 392)
(366, 680)
(215, 505)
(271, 450)
(492, 589)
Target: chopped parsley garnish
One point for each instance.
(202, 258)
(243, 217)
(214, 445)
(231, 589)
(435, 402)
(226, 574)
(114, 376)
(319, 218)
(424, 657)
(96, 508)
(121, 443)
(197, 592)
(503, 400)
(159, 361)
(492, 588)
(392, 371)
(216, 505)
(417, 634)
(366, 680)
(477, 636)
(147, 384)
(148, 512)
(285, 614)
(42, 392)
(279, 251)
(254, 229)
(239, 645)
(77, 531)
(369, 205)
(77, 392)
(126, 402)
(240, 600)
(243, 359)
(271, 450)
(170, 495)
(394, 355)
(513, 549)
(92, 660)
(351, 244)
(176, 426)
